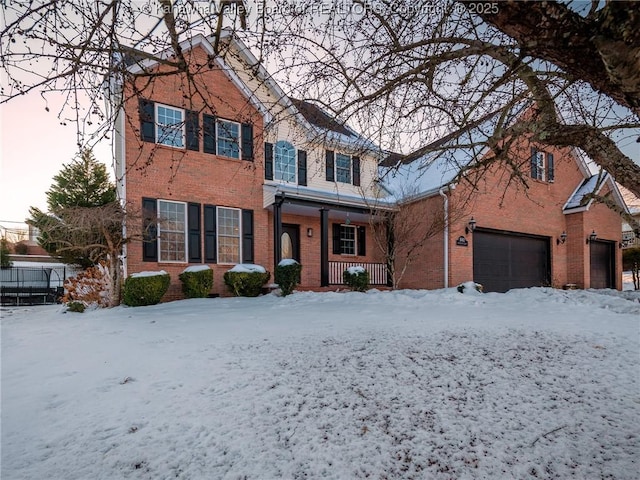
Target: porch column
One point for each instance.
(324, 247)
(277, 232)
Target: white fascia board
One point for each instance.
(185, 45)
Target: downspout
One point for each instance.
(446, 236)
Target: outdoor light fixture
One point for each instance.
(470, 227)
(562, 239)
(592, 237)
(309, 232)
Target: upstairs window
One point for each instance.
(542, 166)
(285, 161)
(228, 138)
(169, 126)
(343, 168)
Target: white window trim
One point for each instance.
(541, 166)
(182, 128)
(355, 241)
(335, 166)
(239, 139)
(186, 233)
(294, 180)
(239, 210)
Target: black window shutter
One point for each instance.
(550, 168)
(329, 156)
(210, 234)
(193, 222)
(362, 241)
(247, 142)
(147, 120)
(247, 236)
(209, 134)
(534, 163)
(192, 130)
(336, 239)
(302, 167)
(268, 161)
(356, 171)
(149, 230)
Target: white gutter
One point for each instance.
(446, 236)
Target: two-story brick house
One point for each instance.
(227, 169)
(505, 235)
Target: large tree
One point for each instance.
(83, 224)
(406, 73)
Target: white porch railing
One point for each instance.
(377, 272)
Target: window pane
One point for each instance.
(228, 139)
(347, 240)
(285, 161)
(228, 235)
(170, 125)
(172, 231)
(343, 168)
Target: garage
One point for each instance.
(506, 260)
(602, 264)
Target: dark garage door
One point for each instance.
(502, 261)
(602, 263)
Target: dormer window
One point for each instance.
(542, 166)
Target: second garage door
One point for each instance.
(504, 260)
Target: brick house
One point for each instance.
(505, 236)
(233, 171)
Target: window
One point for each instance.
(170, 126)
(285, 161)
(540, 166)
(347, 239)
(172, 238)
(343, 168)
(229, 235)
(228, 136)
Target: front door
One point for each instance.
(290, 242)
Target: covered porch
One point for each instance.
(327, 234)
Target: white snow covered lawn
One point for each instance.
(532, 384)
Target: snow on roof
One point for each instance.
(248, 268)
(590, 185)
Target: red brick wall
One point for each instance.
(503, 203)
(168, 173)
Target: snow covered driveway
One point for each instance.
(531, 384)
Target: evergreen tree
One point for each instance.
(82, 184)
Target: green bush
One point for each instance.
(246, 280)
(144, 290)
(5, 262)
(196, 284)
(357, 278)
(77, 307)
(287, 276)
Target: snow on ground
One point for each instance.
(532, 384)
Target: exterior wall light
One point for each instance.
(309, 232)
(471, 226)
(592, 237)
(562, 239)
